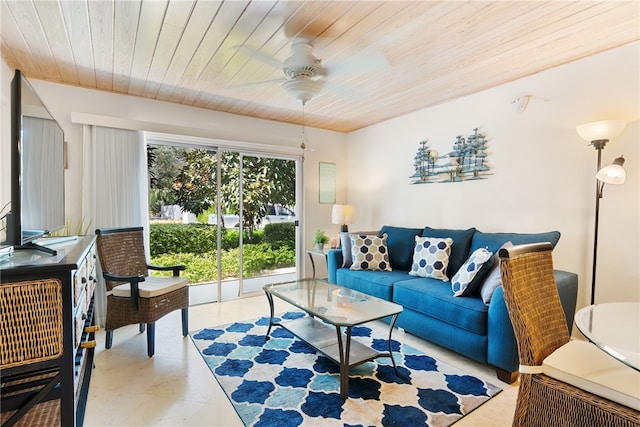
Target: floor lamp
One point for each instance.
(598, 134)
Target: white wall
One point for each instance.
(63, 100)
(543, 173)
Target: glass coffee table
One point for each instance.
(331, 310)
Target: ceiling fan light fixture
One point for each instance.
(303, 89)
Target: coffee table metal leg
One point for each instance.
(393, 321)
(344, 350)
(270, 299)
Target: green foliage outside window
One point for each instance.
(195, 245)
(280, 235)
(187, 177)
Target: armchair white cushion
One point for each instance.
(585, 366)
(152, 286)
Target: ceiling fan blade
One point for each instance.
(364, 61)
(350, 92)
(260, 56)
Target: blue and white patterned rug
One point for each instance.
(283, 381)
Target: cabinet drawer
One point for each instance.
(79, 285)
(84, 277)
(31, 315)
(79, 321)
(91, 287)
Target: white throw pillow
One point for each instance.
(494, 278)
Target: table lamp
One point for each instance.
(342, 215)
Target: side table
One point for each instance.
(613, 327)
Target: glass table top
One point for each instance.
(337, 305)
(613, 327)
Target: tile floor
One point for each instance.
(175, 387)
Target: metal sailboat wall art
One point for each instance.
(467, 161)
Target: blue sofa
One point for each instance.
(466, 325)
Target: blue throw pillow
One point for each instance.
(469, 277)
(400, 241)
(461, 244)
(493, 241)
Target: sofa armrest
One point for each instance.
(568, 291)
(502, 349)
(334, 262)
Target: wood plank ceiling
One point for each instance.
(187, 52)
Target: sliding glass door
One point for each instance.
(267, 192)
(229, 216)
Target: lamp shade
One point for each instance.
(342, 214)
(613, 173)
(605, 129)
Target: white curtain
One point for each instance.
(115, 190)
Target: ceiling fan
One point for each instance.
(305, 76)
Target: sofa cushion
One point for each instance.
(493, 241)
(431, 257)
(400, 241)
(376, 283)
(433, 298)
(468, 278)
(345, 245)
(461, 244)
(369, 252)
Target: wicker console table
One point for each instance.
(47, 334)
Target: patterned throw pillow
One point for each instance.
(469, 277)
(369, 252)
(431, 257)
(345, 245)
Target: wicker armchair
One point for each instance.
(541, 330)
(134, 297)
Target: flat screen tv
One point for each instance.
(37, 169)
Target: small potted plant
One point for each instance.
(320, 239)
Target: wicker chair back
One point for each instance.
(532, 299)
(122, 253)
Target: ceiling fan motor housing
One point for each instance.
(304, 73)
(302, 64)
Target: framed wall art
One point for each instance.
(327, 183)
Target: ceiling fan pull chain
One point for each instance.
(303, 144)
